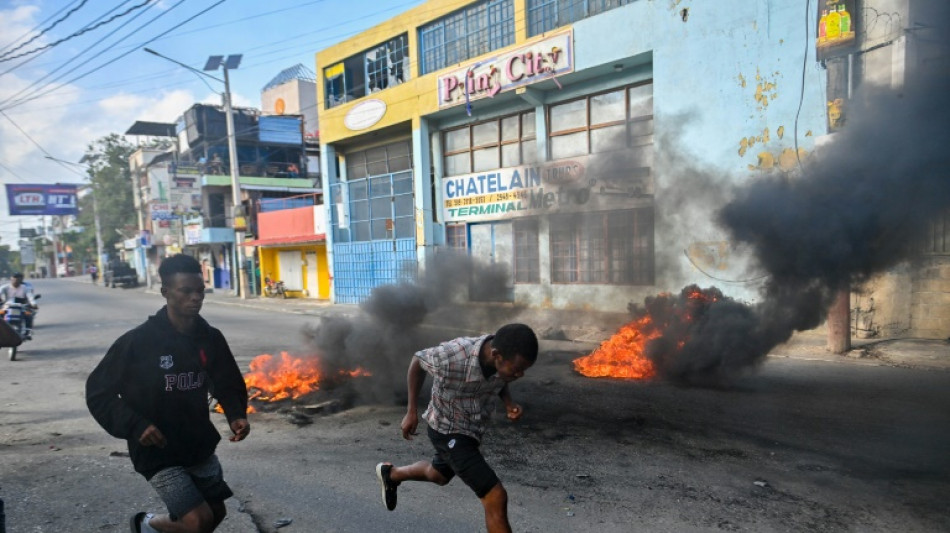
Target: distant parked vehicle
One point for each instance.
(120, 273)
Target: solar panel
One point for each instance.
(233, 61)
(214, 62)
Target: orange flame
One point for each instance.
(288, 377)
(621, 356)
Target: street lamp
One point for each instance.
(229, 63)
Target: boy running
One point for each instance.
(468, 374)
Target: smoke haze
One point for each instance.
(861, 205)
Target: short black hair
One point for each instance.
(516, 339)
(178, 264)
(17, 275)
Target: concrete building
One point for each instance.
(558, 137)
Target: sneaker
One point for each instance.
(387, 485)
(136, 522)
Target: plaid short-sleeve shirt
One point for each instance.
(462, 397)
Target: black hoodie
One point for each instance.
(155, 375)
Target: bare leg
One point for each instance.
(496, 510)
(201, 519)
(421, 471)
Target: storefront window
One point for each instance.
(615, 247)
(527, 263)
(470, 32)
(504, 142)
(613, 120)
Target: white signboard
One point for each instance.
(529, 64)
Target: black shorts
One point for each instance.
(459, 454)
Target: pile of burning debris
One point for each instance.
(299, 387)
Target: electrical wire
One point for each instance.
(801, 96)
(120, 56)
(86, 29)
(35, 28)
(42, 32)
(36, 83)
(38, 145)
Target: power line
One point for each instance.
(6, 57)
(35, 28)
(38, 145)
(43, 31)
(120, 56)
(35, 83)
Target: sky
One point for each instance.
(82, 72)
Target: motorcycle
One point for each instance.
(14, 314)
(274, 288)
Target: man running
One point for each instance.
(468, 374)
(151, 388)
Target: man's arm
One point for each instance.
(414, 379)
(102, 394)
(229, 387)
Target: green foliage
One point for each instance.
(9, 261)
(111, 186)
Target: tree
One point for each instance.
(110, 183)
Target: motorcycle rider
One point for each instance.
(18, 291)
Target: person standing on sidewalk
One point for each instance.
(468, 374)
(152, 387)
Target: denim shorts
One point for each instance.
(459, 454)
(184, 488)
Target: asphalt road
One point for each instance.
(797, 445)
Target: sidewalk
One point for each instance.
(584, 330)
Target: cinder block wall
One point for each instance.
(930, 298)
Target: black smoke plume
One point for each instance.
(392, 323)
(861, 205)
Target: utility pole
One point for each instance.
(240, 286)
(229, 63)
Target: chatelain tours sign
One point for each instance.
(542, 60)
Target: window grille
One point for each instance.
(455, 236)
(546, 15)
(378, 195)
(527, 262)
(498, 143)
(470, 32)
(617, 119)
(613, 247)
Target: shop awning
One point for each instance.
(279, 241)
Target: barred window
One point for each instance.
(455, 236)
(379, 195)
(380, 67)
(545, 15)
(614, 247)
(618, 119)
(527, 263)
(469, 32)
(497, 143)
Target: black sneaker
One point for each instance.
(387, 485)
(136, 522)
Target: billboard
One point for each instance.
(25, 199)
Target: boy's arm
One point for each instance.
(514, 410)
(415, 377)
